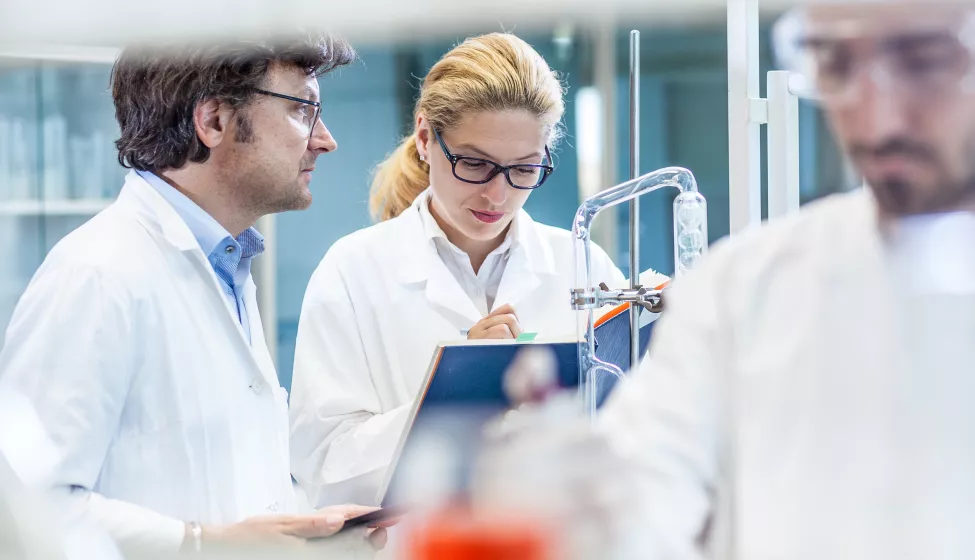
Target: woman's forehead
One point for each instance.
(499, 133)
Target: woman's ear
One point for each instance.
(423, 137)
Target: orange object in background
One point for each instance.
(455, 535)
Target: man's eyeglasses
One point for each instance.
(308, 113)
(478, 171)
(832, 60)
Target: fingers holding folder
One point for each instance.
(501, 323)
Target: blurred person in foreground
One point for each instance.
(808, 392)
(138, 342)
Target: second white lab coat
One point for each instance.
(159, 410)
(808, 395)
(375, 309)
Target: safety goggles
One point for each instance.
(922, 54)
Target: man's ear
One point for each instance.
(211, 119)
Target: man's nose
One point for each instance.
(881, 111)
(321, 139)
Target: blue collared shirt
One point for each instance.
(229, 257)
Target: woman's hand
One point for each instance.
(500, 324)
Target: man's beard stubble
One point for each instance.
(899, 197)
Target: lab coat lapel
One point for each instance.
(531, 261)
(162, 220)
(444, 290)
(519, 280)
(418, 262)
(258, 345)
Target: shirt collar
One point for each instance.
(251, 243)
(433, 231)
(207, 231)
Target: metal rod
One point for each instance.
(635, 203)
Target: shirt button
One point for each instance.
(273, 507)
(229, 249)
(257, 386)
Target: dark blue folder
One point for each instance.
(472, 374)
(464, 388)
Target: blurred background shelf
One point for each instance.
(81, 207)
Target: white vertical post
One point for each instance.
(604, 231)
(783, 146)
(744, 178)
(265, 277)
(746, 112)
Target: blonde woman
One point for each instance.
(455, 256)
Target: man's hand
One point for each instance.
(291, 529)
(499, 324)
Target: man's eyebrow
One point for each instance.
(311, 94)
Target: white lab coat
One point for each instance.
(375, 309)
(160, 410)
(810, 390)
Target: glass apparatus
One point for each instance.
(690, 244)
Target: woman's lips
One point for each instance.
(488, 217)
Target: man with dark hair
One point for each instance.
(139, 342)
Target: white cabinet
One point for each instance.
(58, 166)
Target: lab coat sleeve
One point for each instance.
(664, 419)
(342, 440)
(69, 355)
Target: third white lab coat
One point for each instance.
(375, 309)
(159, 410)
(809, 395)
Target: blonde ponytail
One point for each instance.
(493, 72)
(398, 181)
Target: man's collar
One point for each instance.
(205, 228)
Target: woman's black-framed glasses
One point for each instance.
(309, 117)
(478, 171)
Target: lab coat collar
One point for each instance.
(530, 262)
(409, 236)
(161, 219)
(434, 232)
(160, 215)
(930, 253)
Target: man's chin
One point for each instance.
(902, 198)
(303, 202)
(299, 201)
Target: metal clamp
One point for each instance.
(592, 298)
(584, 298)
